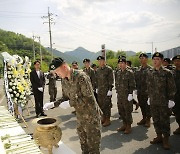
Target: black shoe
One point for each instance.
(38, 115)
(43, 114)
(73, 112)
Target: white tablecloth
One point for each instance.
(16, 130)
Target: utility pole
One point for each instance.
(40, 48)
(103, 51)
(152, 47)
(50, 21)
(34, 47)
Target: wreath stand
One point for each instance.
(17, 113)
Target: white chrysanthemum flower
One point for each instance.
(12, 95)
(22, 105)
(15, 92)
(10, 90)
(13, 87)
(17, 95)
(9, 76)
(10, 83)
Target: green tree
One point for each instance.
(120, 53)
(112, 63)
(110, 54)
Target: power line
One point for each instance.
(21, 12)
(108, 37)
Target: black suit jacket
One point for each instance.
(36, 81)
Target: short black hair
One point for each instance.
(37, 61)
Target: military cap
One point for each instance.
(143, 55)
(119, 57)
(167, 60)
(86, 60)
(100, 58)
(75, 62)
(157, 54)
(176, 57)
(93, 65)
(122, 60)
(129, 63)
(56, 62)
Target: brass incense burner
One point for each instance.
(48, 133)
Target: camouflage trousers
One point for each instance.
(105, 104)
(125, 109)
(161, 119)
(145, 108)
(90, 137)
(53, 94)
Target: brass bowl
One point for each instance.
(48, 133)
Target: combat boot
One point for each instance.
(157, 139)
(107, 122)
(142, 122)
(128, 129)
(148, 122)
(103, 119)
(166, 144)
(122, 128)
(177, 131)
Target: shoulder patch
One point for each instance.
(82, 79)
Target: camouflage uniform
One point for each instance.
(125, 84)
(52, 87)
(161, 89)
(176, 108)
(91, 73)
(104, 84)
(141, 86)
(169, 67)
(78, 90)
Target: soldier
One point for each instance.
(104, 89)
(125, 84)
(167, 64)
(141, 85)
(78, 90)
(94, 67)
(75, 65)
(129, 63)
(161, 92)
(90, 72)
(52, 86)
(176, 109)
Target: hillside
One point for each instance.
(82, 53)
(68, 58)
(15, 43)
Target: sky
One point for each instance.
(119, 24)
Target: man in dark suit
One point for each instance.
(38, 82)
